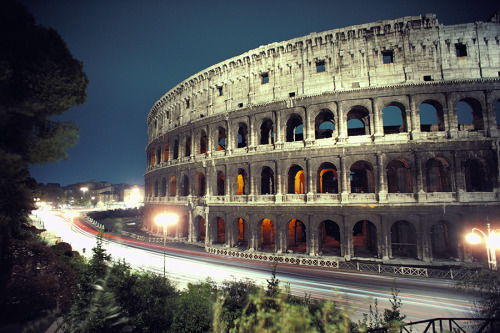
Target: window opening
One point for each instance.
(388, 57)
(220, 90)
(320, 66)
(187, 104)
(461, 50)
(292, 94)
(264, 78)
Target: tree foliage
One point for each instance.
(39, 79)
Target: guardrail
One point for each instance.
(452, 274)
(465, 325)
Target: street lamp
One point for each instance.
(492, 241)
(165, 219)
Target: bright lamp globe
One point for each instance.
(473, 238)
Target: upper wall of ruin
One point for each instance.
(408, 50)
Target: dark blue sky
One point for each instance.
(134, 51)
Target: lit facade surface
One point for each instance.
(346, 143)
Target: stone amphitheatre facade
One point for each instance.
(371, 142)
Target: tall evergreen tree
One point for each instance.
(39, 79)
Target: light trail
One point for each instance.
(422, 298)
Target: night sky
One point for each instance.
(134, 51)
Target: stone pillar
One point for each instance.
(414, 117)
(281, 231)
(344, 185)
(251, 134)
(277, 131)
(490, 116)
(229, 136)
(378, 124)
(278, 182)
(418, 172)
(310, 191)
(208, 230)
(450, 114)
(309, 132)
(311, 237)
(252, 234)
(348, 240)
(342, 123)
(382, 181)
(191, 235)
(384, 237)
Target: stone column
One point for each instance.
(251, 133)
(191, 235)
(309, 132)
(418, 172)
(310, 192)
(278, 182)
(229, 136)
(344, 185)
(348, 240)
(280, 243)
(377, 123)
(342, 123)
(382, 182)
(450, 113)
(277, 131)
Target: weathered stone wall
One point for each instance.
(261, 145)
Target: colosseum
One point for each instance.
(372, 142)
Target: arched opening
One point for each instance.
(437, 175)
(221, 142)
(476, 177)
(203, 142)
(324, 125)
(394, 119)
(431, 117)
(267, 181)
(361, 177)
(183, 226)
(399, 176)
(469, 115)
(358, 122)
(296, 180)
(156, 188)
(242, 135)
(443, 240)
(200, 229)
(268, 235)
(266, 132)
(200, 184)
(403, 240)
(242, 182)
(327, 178)
(164, 187)
(297, 236)
(173, 186)
(185, 186)
(242, 233)
(364, 239)
(294, 128)
(329, 238)
(187, 150)
(221, 186)
(176, 149)
(158, 155)
(165, 152)
(221, 231)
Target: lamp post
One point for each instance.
(492, 241)
(165, 219)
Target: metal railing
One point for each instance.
(441, 325)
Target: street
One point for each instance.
(422, 298)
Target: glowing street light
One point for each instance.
(165, 219)
(492, 242)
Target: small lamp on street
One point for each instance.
(165, 219)
(83, 189)
(492, 242)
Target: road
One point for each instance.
(422, 298)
